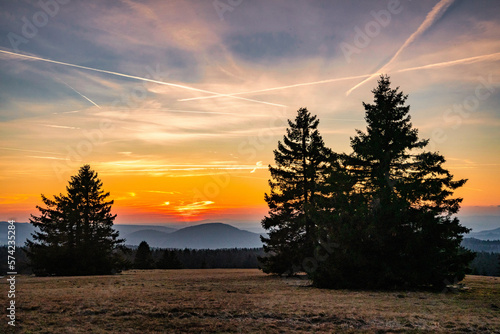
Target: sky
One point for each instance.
(178, 105)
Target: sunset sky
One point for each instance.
(178, 105)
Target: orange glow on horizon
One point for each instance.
(179, 112)
(157, 199)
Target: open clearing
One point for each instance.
(240, 301)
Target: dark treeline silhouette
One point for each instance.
(379, 217)
(476, 245)
(486, 264)
(144, 257)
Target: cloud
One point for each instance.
(39, 157)
(259, 164)
(194, 208)
(61, 126)
(163, 192)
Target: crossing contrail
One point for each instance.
(138, 78)
(278, 88)
(423, 67)
(435, 14)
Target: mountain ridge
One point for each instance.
(201, 236)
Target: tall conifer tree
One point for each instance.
(302, 161)
(75, 231)
(406, 232)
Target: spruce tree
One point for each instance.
(297, 180)
(75, 231)
(404, 228)
(169, 260)
(143, 257)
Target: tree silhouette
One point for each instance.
(143, 257)
(169, 260)
(302, 161)
(75, 231)
(498, 266)
(405, 232)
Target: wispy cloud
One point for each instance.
(193, 208)
(40, 157)
(24, 150)
(259, 166)
(163, 192)
(61, 126)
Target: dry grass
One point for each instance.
(241, 301)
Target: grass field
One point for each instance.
(240, 301)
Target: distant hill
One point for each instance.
(128, 231)
(480, 223)
(203, 236)
(154, 238)
(486, 235)
(212, 236)
(477, 245)
(23, 232)
(219, 235)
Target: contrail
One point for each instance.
(138, 78)
(86, 98)
(197, 112)
(423, 67)
(207, 112)
(435, 14)
(278, 88)
(452, 62)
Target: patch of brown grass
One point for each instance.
(241, 301)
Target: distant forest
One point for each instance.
(485, 263)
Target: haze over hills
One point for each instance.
(203, 236)
(153, 237)
(486, 235)
(23, 232)
(212, 236)
(476, 245)
(480, 222)
(129, 229)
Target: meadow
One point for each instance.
(241, 301)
